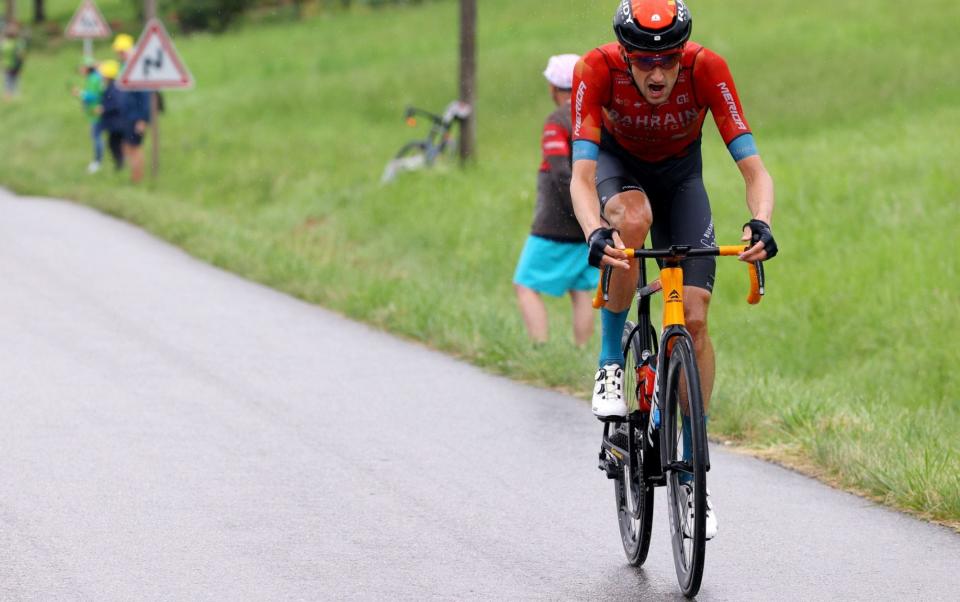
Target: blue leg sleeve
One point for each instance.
(611, 333)
(688, 444)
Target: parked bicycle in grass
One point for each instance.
(440, 140)
(662, 440)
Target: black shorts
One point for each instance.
(131, 137)
(681, 208)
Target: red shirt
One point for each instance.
(555, 141)
(605, 96)
(553, 217)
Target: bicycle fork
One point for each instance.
(667, 464)
(674, 327)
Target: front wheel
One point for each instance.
(687, 472)
(634, 496)
(411, 157)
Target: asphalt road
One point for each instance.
(172, 432)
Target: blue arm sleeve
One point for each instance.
(742, 147)
(584, 149)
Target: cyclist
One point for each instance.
(638, 112)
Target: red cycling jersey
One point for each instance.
(605, 96)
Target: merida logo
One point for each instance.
(581, 90)
(673, 297)
(731, 105)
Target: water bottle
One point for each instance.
(646, 377)
(649, 389)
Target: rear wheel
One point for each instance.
(687, 511)
(634, 496)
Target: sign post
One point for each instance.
(154, 64)
(87, 24)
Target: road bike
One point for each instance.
(417, 154)
(644, 450)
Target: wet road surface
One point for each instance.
(172, 432)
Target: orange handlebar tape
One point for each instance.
(754, 296)
(598, 301)
(726, 250)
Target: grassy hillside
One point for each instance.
(270, 169)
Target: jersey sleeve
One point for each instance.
(555, 141)
(591, 89)
(715, 87)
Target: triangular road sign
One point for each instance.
(88, 22)
(154, 63)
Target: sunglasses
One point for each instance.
(649, 62)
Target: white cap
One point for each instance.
(559, 70)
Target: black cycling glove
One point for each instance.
(761, 233)
(599, 240)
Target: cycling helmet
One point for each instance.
(652, 25)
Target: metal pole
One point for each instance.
(468, 75)
(150, 12)
(88, 48)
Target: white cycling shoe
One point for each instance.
(608, 393)
(687, 501)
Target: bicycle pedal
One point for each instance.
(609, 466)
(612, 419)
(610, 469)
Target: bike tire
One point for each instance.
(689, 544)
(410, 149)
(633, 495)
(410, 157)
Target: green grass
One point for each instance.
(270, 169)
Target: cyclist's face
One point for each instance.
(655, 74)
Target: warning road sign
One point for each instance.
(88, 22)
(154, 63)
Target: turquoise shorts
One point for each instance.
(552, 267)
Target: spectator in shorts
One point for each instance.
(554, 258)
(136, 112)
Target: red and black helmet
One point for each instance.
(652, 25)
